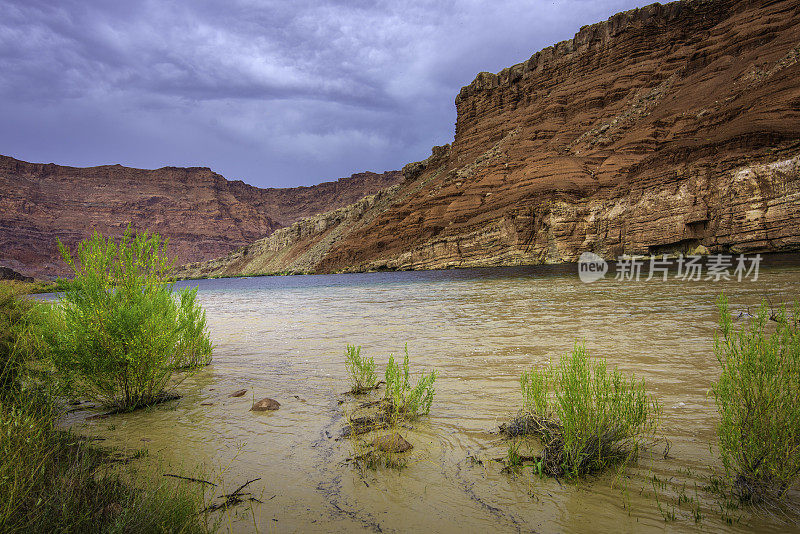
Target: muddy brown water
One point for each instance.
(284, 338)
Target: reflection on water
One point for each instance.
(284, 337)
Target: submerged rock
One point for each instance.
(362, 425)
(392, 443)
(238, 393)
(265, 404)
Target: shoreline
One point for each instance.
(768, 259)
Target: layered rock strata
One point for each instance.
(203, 214)
(659, 130)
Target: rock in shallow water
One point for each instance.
(238, 393)
(392, 443)
(265, 404)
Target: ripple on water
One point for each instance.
(284, 338)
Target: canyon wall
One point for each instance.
(660, 130)
(203, 214)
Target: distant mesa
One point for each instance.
(203, 214)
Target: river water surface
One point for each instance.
(285, 337)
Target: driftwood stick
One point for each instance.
(190, 479)
(240, 488)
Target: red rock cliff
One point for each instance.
(202, 213)
(661, 129)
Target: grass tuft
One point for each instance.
(360, 370)
(406, 401)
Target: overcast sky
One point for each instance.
(275, 93)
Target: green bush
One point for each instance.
(405, 400)
(757, 399)
(54, 481)
(117, 333)
(587, 416)
(360, 370)
(194, 345)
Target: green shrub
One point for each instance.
(117, 332)
(361, 370)
(194, 346)
(757, 399)
(405, 400)
(54, 481)
(587, 416)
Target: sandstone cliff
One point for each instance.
(661, 129)
(203, 214)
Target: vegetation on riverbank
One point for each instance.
(117, 333)
(757, 399)
(405, 401)
(586, 416)
(360, 370)
(373, 427)
(54, 481)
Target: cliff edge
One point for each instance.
(203, 214)
(656, 131)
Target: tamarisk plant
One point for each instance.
(587, 416)
(361, 370)
(116, 335)
(405, 400)
(194, 346)
(757, 398)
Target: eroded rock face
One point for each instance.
(660, 130)
(298, 248)
(204, 215)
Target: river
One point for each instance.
(285, 338)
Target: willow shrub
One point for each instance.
(118, 332)
(587, 415)
(194, 345)
(757, 399)
(360, 370)
(405, 400)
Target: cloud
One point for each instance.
(272, 92)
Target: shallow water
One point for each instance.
(284, 337)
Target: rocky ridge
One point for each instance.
(204, 215)
(662, 129)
